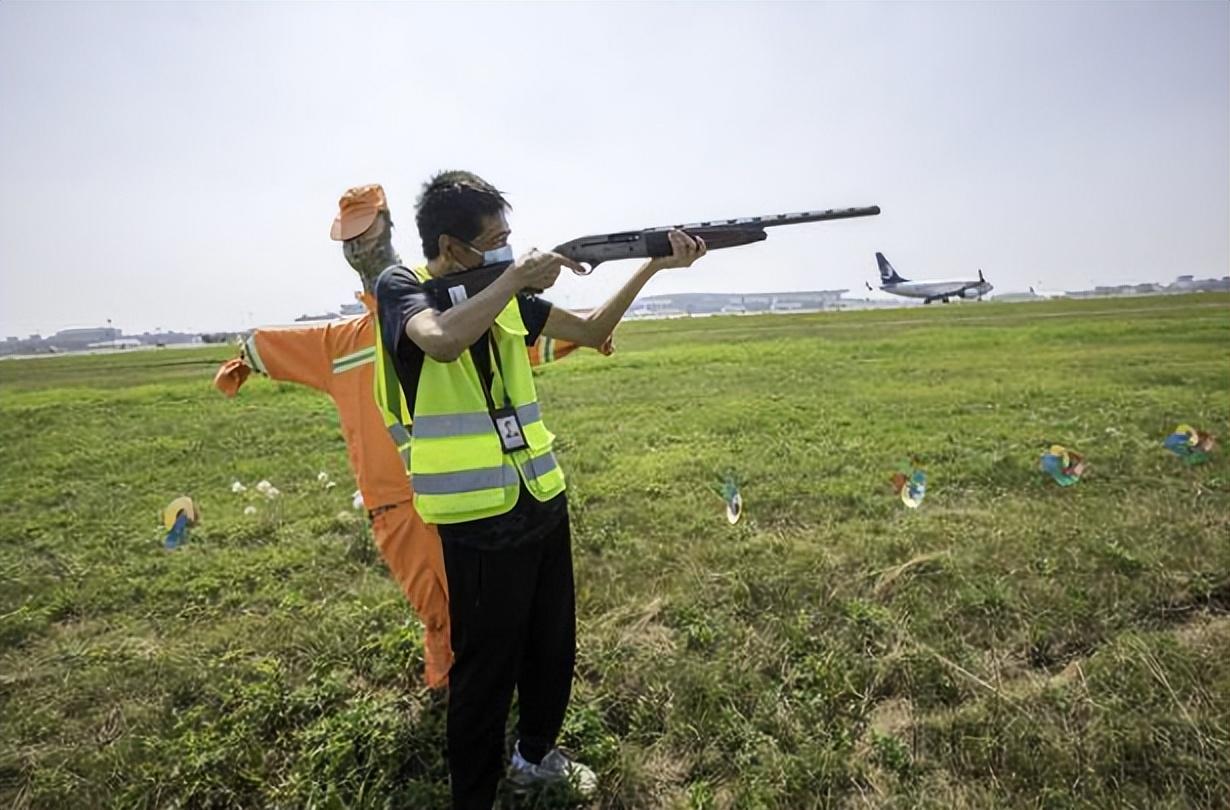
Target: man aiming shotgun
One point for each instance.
(454, 334)
(656, 243)
(484, 472)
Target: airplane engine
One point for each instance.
(970, 294)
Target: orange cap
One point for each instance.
(357, 211)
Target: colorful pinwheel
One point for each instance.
(729, 491)
(1063, 465)
(1192, 445)
(910, 483)
(179, 515)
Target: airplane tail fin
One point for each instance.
(887, 274)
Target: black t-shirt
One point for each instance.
(399, 297)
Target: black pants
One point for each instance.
(513, 614)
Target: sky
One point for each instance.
(177, 165)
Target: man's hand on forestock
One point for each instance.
(685, 251)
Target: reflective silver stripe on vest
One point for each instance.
(464, 481)
(453, 424)
(536, 467)
(401, 438)
(399, 434)
(467, 424)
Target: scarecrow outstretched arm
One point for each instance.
(295, 354)
(292, 354)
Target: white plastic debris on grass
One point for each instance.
(249, 510)
(357, 500)
(273, 492)
(322, 477)
(263, 487)
(237, 487)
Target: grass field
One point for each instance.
(1008, 644)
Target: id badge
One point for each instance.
(507, 425)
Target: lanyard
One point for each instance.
(487, 379)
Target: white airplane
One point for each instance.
(930, 291)
(1047, 293)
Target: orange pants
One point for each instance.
(411, 549)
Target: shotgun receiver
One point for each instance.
(650, 242)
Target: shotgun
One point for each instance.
(725, 233)
(650, 242)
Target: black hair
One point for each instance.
(455, 203)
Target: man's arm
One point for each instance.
(443, 336)
(593, 329)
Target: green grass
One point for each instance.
(1009, 644)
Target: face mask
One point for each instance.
(495, 256)
(500, 254)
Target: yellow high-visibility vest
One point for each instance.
(458, 467)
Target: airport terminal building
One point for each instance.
(685, 304)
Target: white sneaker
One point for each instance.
(555, 767)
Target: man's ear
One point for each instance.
(451, 250)
(444, 244)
